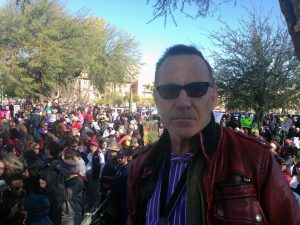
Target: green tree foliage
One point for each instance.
(42, 46)
(256, 67)
(115, 50)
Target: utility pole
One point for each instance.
(1, 94)
(130, 98)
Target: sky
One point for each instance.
(132, 16)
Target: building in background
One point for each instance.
(89, 93)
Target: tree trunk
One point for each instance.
(287, 10)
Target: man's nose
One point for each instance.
(183, 100)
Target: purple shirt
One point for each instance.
(178, 215)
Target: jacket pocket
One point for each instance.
(237, 204)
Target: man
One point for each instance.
(118, 209)
(94, 168)
(12, 202)
(71, 194)
(230, 178)
(110, 167)
(284, 170)
(103, 148)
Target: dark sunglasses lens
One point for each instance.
(196, 89)
(168, 91)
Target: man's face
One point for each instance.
(16, 187)
(74, 132)
(93, 148)
(122, 160)
(184, 116)
(283, 167)
(273, 148)
(104, 145)
(117, 134)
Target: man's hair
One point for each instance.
(181, 49)
(69, 153)
(14, 176)
(54, 148)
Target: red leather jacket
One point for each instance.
(243, 183)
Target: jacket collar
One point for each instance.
(211, 136)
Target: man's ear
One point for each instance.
(214, 98)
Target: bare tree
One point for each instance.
(289, 8)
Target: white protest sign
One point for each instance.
(218, 116)
(296, 142)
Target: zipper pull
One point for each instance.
(246, 179)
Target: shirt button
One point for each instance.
(258, 218)
(220, 212)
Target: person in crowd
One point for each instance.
(118, 208)
(23, 134)
(33, 161)
(50, 180)
(140, 126)
(11, 165)
(36, 204)
(90, 136)
(71, 153)
(51, 137)
(284, 169)
(134, 145)
(117, 123)
(61, 128)
(35, 147)
(71, 192)
(12, 202)
(94, 168)
(117, 136)
(201, 165)
(295, 181)
(103, 148)
(80, 118)
(110, 167)
(49, 183)
(273, 148)
(126, 139)
(14, 140)
(3, 183)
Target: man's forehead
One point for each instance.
(16, 182)
(177, 59)
(185, 64)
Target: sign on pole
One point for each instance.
(286, 124)
(150, 132)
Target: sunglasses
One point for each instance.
(194, 89)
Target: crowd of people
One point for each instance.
(58, 163)
(284, 145)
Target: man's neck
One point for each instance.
(180, 146)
